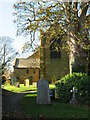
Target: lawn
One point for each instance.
(54, 110)
(22, 88)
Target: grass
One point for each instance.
(22, 88)
(54, 110)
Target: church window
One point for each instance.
(55, 51)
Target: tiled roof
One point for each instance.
(30, 62)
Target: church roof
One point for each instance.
(30, 62)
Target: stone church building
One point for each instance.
(50, 63)
(27, 68)
(54, 61)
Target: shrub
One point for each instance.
(78, 80)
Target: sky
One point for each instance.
(7, 27)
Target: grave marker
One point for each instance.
(27, 82)
(43, 96)
(73, 100)
(18, 84)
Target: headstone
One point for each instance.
(27, 82)
(17, 84)
(73, 100)
(35, 84)
(43, 96)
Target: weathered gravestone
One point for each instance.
(17, 84)
(34, 84)
(27, 82)
(73, 100)
(43, 96)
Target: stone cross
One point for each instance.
(73, 98)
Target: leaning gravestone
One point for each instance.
(43, 96)
(27, 82)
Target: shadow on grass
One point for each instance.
(55, 110)
(11, 105)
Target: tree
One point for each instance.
(7, 52)
(69, 19)
(28, 47)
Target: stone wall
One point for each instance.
(56, 68)
(24, 73)
(52, 68)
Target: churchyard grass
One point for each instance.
(54, 110)
(51, 86)
(22, 88)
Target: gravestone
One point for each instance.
(27, 82)
(73, 100)
(34, 84)
(17, 84)
(43, 96)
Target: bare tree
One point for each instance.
(7, 52)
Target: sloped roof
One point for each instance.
(31, 62)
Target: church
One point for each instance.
(27, 68)
(54, 61)
(50, 63)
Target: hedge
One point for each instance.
(81, 83)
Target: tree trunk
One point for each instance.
(77, 57)
(77, 60)
(42, 57)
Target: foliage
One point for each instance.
(61, 17)
(53, 111)
(78, 80)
